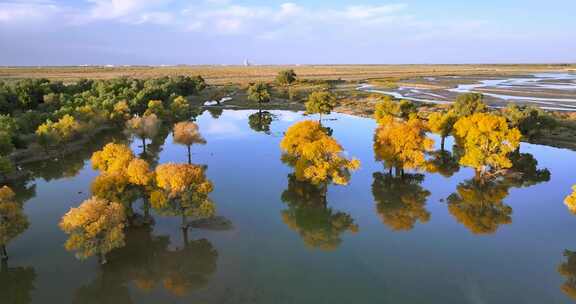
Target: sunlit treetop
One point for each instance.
(139, 173)
(95, 227)
(315, 156)
(113, 158)
(177, 178)
(487, 140)
(187, 133)
(570, 200)
(402, 144)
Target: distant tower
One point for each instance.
(246, 62)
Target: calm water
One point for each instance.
(275, 253)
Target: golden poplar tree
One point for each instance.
(401, 145)
(316, 156)
(186, 133)
(13, 221)
(96, 227)
(487, 142)
(183, 190)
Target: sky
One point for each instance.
(157, 32)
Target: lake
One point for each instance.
(375, 240)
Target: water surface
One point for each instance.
(408, 247)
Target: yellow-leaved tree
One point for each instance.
(182, 190)
(96, 227)
(570, 200)
(13, 221)
(143, 127)
(486, 141)
(401, 144)
(316, 156)
(123, 177)
(186, 133)
(113, 158)
(442, 124)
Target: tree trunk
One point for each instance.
(3, 265)
(102, 258)
(320, 119)
(146, 208)
(442, 143)
(144, 145)
(185, 236)
(184, 224)
(4, 253)
(189, 156)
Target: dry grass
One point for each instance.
(242, 75)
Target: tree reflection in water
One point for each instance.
(400, 200)
(308, 214)
(478, 204)
(568, 270)
(148, 263)
(16, 284)
(260, 121)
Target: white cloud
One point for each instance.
(27, 12)
(111, 9)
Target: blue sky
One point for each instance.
(66, 32)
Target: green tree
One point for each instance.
(180, 108)
(260, 121)
(320, 102)
(387, 106)
(259, 92)
(531, 121)
(286, 78)
(468, 104)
